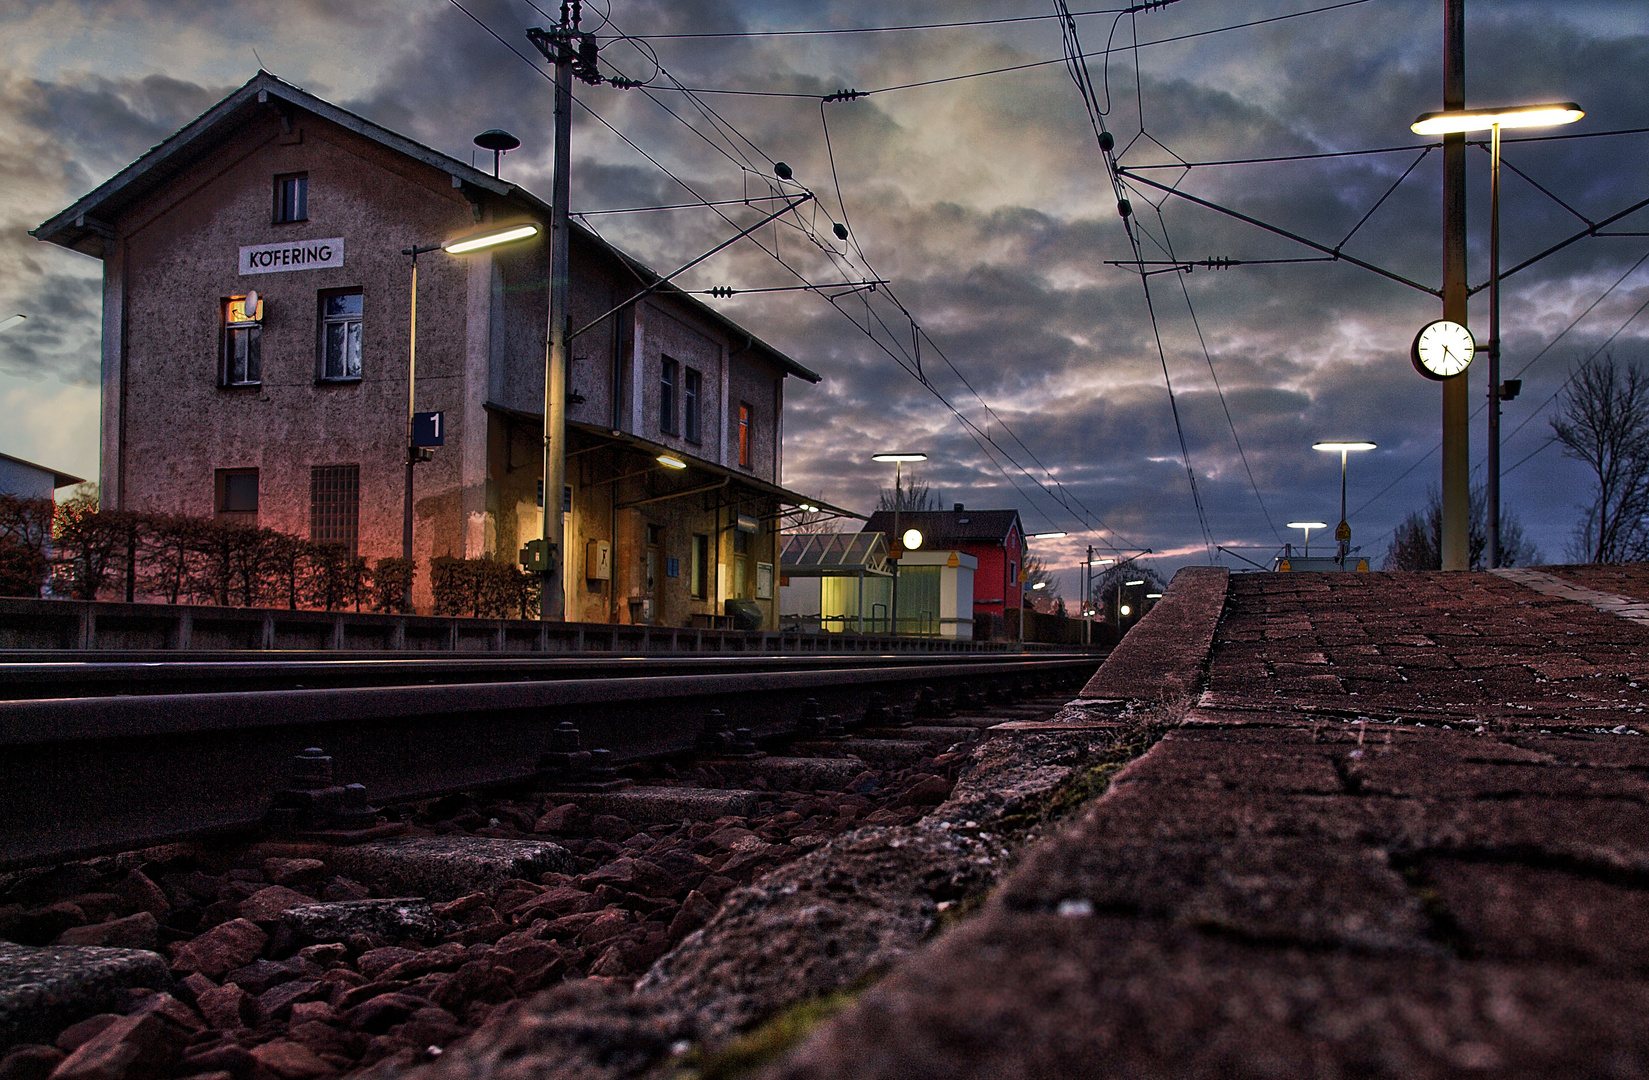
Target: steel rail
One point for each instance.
(82, 775)
(77, 676)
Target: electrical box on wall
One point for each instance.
(598, 560)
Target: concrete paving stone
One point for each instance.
(1401, 772)
(43, 990)
(1165, 655)
(1046, 996)
(885, 752)
(653, 806)
(1314, 684)
(447, 867)
(1276, 889)
(1597, 751)
(1251, 767)
(1605, 834)
(1509, 911)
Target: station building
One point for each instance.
(293, 415)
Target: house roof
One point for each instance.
(939, 527)
(59, 479)
(85, 225)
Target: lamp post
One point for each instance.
(1039, 585)
(1342, 532)
(461, 246)
(1308, 526)
(898, 457)
(1459, 121)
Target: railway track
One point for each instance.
(102, 755)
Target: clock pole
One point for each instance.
(1456, 552)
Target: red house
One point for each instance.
(994, 537)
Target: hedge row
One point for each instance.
(80, 551)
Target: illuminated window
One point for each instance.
(340, 346)
(240, 362)
(746, 414)
(291, 198)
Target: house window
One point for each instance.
(692, 387)
(235, 495)
(745, 416)
(335, 504)
(698, 573)
(340, 336)
(291, 198)
(668, 374)
(240, 362)
(1013, 573)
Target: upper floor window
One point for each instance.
(340, 336)
(746, 417)
(235, 495)
(669, 372)
(240, 361)
(692, 388)
(292, 198)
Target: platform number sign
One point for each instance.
(429, 429)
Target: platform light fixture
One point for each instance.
(1308, 526)
(670, 462)
(807, 508)
(1342, 531)
(476, 242)
(1455, 121)
(1048, 535)
(11, 321)
(899, 457)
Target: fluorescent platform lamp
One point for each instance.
(807, 508)
(490, 239)
(1308, 526)
(8, 323)
(1342, 532)
(671, 462)
(899, 457)
(1453, 121)
(1039, 585)
(1153, 596)
(1047, 535)
(1141, 581)
(1342, 447)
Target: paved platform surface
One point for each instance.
(1405, 833)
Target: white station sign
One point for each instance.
(295, 255)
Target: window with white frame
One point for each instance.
(340, 346)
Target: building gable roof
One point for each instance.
(86, 224)
(59, 478)
(940, 527)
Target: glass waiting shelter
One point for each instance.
(831, 582)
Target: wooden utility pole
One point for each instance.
(1456, 396)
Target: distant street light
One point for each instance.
(898, 457)
(1492, 120)
(1308, 526)
(1048, 535)
(1342, 532)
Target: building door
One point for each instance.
(655, 573)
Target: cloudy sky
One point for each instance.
(984, 203)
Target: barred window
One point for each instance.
(334, 504)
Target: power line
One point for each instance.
(1025, 66)
(865, 29)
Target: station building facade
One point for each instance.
(293, 415)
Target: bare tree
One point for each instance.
(912, 494)
(1603, 421)
(1417, 543)
(1107, 586)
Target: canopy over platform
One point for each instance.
(834, 555)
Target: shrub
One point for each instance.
(392, 584)
(25, 535)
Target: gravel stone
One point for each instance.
(393, 920)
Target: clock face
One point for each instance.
(1442, 349)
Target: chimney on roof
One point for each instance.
(957, 509)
